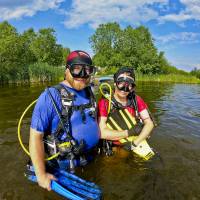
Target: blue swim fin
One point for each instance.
(58, 188)
(70, 185)
(79, 188)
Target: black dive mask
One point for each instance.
(125, 84)
(81, 70)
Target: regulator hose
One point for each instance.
(108, 95)
(19, 132)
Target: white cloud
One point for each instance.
(10, 9)
(181, 37)
(191, 11)
(96, 12)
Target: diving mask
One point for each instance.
(125, 84)
(81, 70)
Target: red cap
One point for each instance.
(79, 57)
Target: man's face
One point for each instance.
(76, 83)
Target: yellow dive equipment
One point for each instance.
(20, 138)
(123, 120)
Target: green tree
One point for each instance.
(21, 53)
(114, 47)
(45, 49)
(66, 52)
(103, 43)
(28, 38)
(195, 72)
(12, 60)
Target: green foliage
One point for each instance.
(173, 78)
(104, 42)
(195, 72)
(12, 59)
(18, 51)
(118, 47)
(45, 49)
(66, 52)
(44, 72)
(173, 70)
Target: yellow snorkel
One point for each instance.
(143, 149)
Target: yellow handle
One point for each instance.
(107, 96)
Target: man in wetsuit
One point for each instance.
(71, 96)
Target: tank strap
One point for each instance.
(68, 107)
(67, 99)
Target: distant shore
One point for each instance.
(171, 78)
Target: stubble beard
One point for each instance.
(77, 83)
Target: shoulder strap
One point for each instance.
(92, 99)
(116, 104)
(90, 93)
(63, 122)
(66, 96)
(135, 105)
(68, 106)
(67, 99)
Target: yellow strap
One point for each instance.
(115, 124)
(65, 144)
(125, 119)
(109, 126)
(130, 116)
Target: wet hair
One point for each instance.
(123, 70)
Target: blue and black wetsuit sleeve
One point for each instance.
(44, 112)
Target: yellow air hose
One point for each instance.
(19, 133)
(107, 96)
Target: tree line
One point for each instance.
(134, 47)
(196, 72)
(31, 55)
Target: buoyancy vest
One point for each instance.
(78, 115)
(119, 117)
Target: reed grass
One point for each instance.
(173, 78)
(42, 72)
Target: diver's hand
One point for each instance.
(129, 146)
(44, 180)
(135, 130)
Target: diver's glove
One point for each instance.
(129, 146)
(135, 130)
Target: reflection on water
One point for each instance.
(173, 174)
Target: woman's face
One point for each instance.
(124, 85)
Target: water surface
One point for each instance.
(174, 174)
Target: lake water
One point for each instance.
(173, 174)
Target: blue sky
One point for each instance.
(174, 24)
